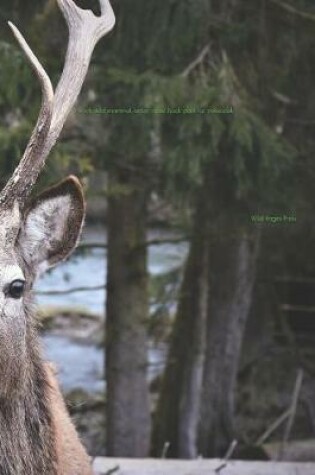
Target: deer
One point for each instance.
(37, 436)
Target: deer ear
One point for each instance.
(52, 225)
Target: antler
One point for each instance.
(85, 30)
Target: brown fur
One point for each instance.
(37, 436)
(27, 435)
(71, 456)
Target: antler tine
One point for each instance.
(72, 12)
(15, 186)
(47, 88)
(85, 30)
(69, 9)
(108, 17)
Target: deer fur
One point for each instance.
(36, 434)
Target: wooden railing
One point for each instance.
(111, 466)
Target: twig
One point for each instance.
(70, 291)
(273, 427)
(297, 308)
(297, 280)
(160, 242)
(91, 245)
(282, 98)
(152, 242)
(227, 456)
(293, 407)
(112, 470)
(196, 62)
(165, 450)
(294, 11)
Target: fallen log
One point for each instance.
(115, 466)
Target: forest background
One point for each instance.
(197, 117)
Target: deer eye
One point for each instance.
(15, 289)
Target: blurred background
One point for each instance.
(185, 320)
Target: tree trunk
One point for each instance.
(189, 405)
(232, 266)
(177, 414)
(128, 411)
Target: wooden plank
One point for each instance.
(112, 466)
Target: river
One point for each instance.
(81, 365)
(89, 270)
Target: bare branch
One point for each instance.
(87, 246)
(297, 308)
(227, 456)
(70, 291)
(111, 471)
(293, 407)
(293, 10)
(165, 450)
(298, 280)
(152, 242)
(274, 426)
(201, 56)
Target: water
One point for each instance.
(81, 365)
(89, 270)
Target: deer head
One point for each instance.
(36, 233)
(36, 434)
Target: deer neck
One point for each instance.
(26, 435)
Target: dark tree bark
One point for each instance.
(194, 416)
(232, 266)
(189, 405)
(177, 414)
(128, 412)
